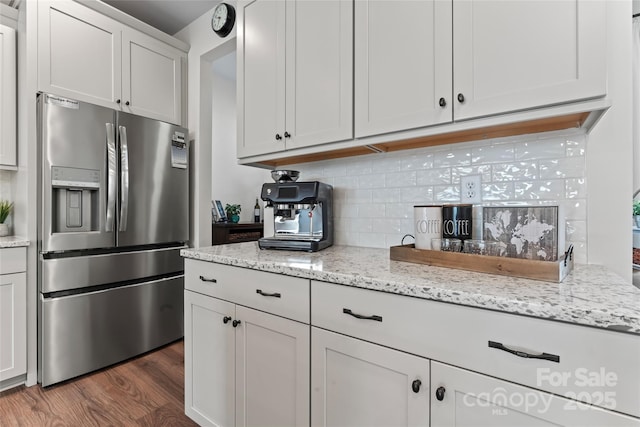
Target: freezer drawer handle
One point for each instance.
(360, 316)
(267, 294)
(204, 279)
(519, 353)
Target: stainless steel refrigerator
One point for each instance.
(113, 216)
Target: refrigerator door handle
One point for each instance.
(124, 178)
(111, 178)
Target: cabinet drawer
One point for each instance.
(273, 293)
(592, 363)
(13, 260)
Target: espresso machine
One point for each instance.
(302, 215)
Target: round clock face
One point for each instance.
(219, 17)
(223, 19)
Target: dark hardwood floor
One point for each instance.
(145, 391)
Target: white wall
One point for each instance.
(610, 154)
(206, 47)
(231, 183)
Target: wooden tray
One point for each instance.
(516, 267)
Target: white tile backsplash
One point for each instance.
(375, 194)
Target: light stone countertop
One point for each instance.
(13, 242)
(590, 295)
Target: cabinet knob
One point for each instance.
(235, 323)
(460, 98)
(226, 319)
(415, 386)
(278, 137)
(126, 103)
(287, 135)
(117, 101)
(442, 103)
(440, 393)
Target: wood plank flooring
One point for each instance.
(145, 391)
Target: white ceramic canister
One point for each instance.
(427, 221)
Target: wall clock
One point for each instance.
(223, 19)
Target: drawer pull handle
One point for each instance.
(519, 353)
(267, 294)
(440, 391)
(360, 316)
(204, 279)
(415, 386)
(226, 319)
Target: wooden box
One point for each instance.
(551, 271)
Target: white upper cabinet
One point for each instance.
(402, 65)
(511, 56)
(8, 103)
(295, 81)
(423, 63)
(87, 56)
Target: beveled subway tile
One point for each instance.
(400, 179)
(433, 176)
(417, 162)
(457, 172)
(568, 167)
(516, 171)
(372, 240)
(398, 210)
(446, 193)
(539, 190)
(417, 195)
(575, 209)
(540, 149)
(382, 163)
(493, 154)
(359, 166)
(387, 225)
(576, 231)
(576, 146)
(358, 196)
(371, 181)
(576, 188)
(386, 195)
(460, 157)
(371, 210)
(497, 191)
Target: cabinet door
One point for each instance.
(261, 77)
(463, 398)
(517, 55)
(319, 73)
(209, 355)
(13, 325)
(79, 53)
(8, 99)
(272, 370)
(355, 383)
(151, 77)
(402, 65)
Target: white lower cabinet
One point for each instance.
(463, 398)
(243, 367)
(356, 383)
(13, 317)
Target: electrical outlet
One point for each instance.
(471, 189)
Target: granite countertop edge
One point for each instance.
(13, 242)
(565, 302)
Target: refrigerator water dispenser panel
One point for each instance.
(75, 199)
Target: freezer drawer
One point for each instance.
(85, 332)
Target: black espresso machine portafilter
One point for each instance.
(302, 215)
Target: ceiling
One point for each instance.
(169, 16)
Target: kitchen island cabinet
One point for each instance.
(294, 74)
(90, 57)
(13, 312)
(376, 321)
(246, 360)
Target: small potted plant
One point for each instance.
(233, 212)
(5, 210)
(636, 212)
